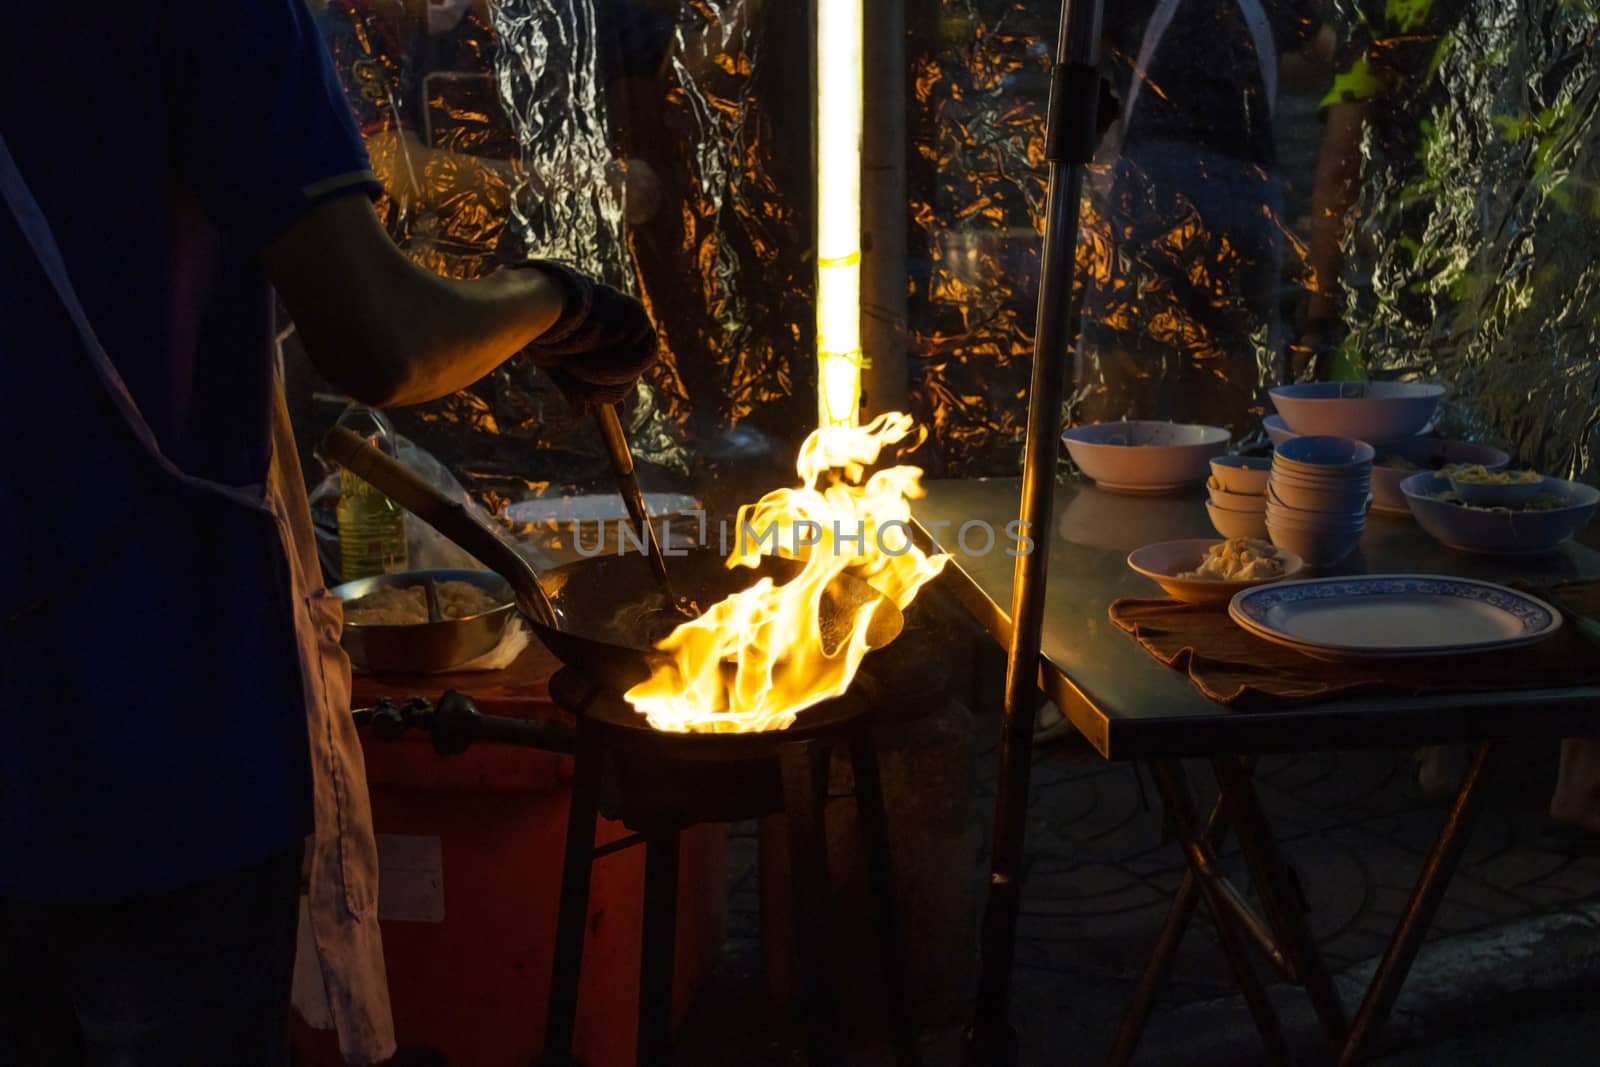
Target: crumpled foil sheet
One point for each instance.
(634, 139)
(979, 81)
(1184, 262)
(1475, 260)
(653, 142)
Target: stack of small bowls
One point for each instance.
(1238, 504)
(1318, 493)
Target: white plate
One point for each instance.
(1393, 616)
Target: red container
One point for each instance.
(471, 852)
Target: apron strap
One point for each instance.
(36, 231)
(1260, 27)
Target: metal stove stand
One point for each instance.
(659, 784)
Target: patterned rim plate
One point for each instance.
(1393, 616)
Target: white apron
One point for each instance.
(341, 901)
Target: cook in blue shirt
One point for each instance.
(156, 783)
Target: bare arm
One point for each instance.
(387, 331)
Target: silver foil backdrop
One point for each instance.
(1475, 258)
(665, 145)
(649, 142)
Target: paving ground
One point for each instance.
(1518, 934)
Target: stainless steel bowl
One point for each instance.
(426, 647)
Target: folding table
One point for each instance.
(1132, 707)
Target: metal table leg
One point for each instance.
(572, 915)
(1170, 781)
(1420, 909)
(1279, 896)
(880, 868)
(656, 951)
(804, 765)
(1159, 968)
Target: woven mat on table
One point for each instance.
(1234, 667)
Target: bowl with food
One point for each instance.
(1481, 487)
(1395, 463)
(421, 622)
(1375, 412)
(1245, 475)
(1534, 526)
(1138, 456)
(1210, 572)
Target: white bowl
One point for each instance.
(1242, 474)
(1238, 523)
(1427, 453)
(1377, 412)
(1498, 532)
(1162, 563)
(1145, 457)
(1279, 512)
(1319, 548)
(1227, 501)
(1277, 430)
(1319, 497)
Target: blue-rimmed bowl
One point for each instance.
(1499, 531)
(1277, 430)
(1321, 455)
(1368, 411)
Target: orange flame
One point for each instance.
(755, 660)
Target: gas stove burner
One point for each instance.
(624, 726)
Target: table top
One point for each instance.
(1130, 706)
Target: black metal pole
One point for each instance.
(1070, 140)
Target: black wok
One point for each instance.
(588, 612)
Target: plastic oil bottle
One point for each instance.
(372, 528)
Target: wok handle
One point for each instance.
(616, 441)
(351, 451)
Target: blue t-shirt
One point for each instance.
(152, 724)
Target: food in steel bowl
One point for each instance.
(408, 605)
(1145, 456)
(1559, 510)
